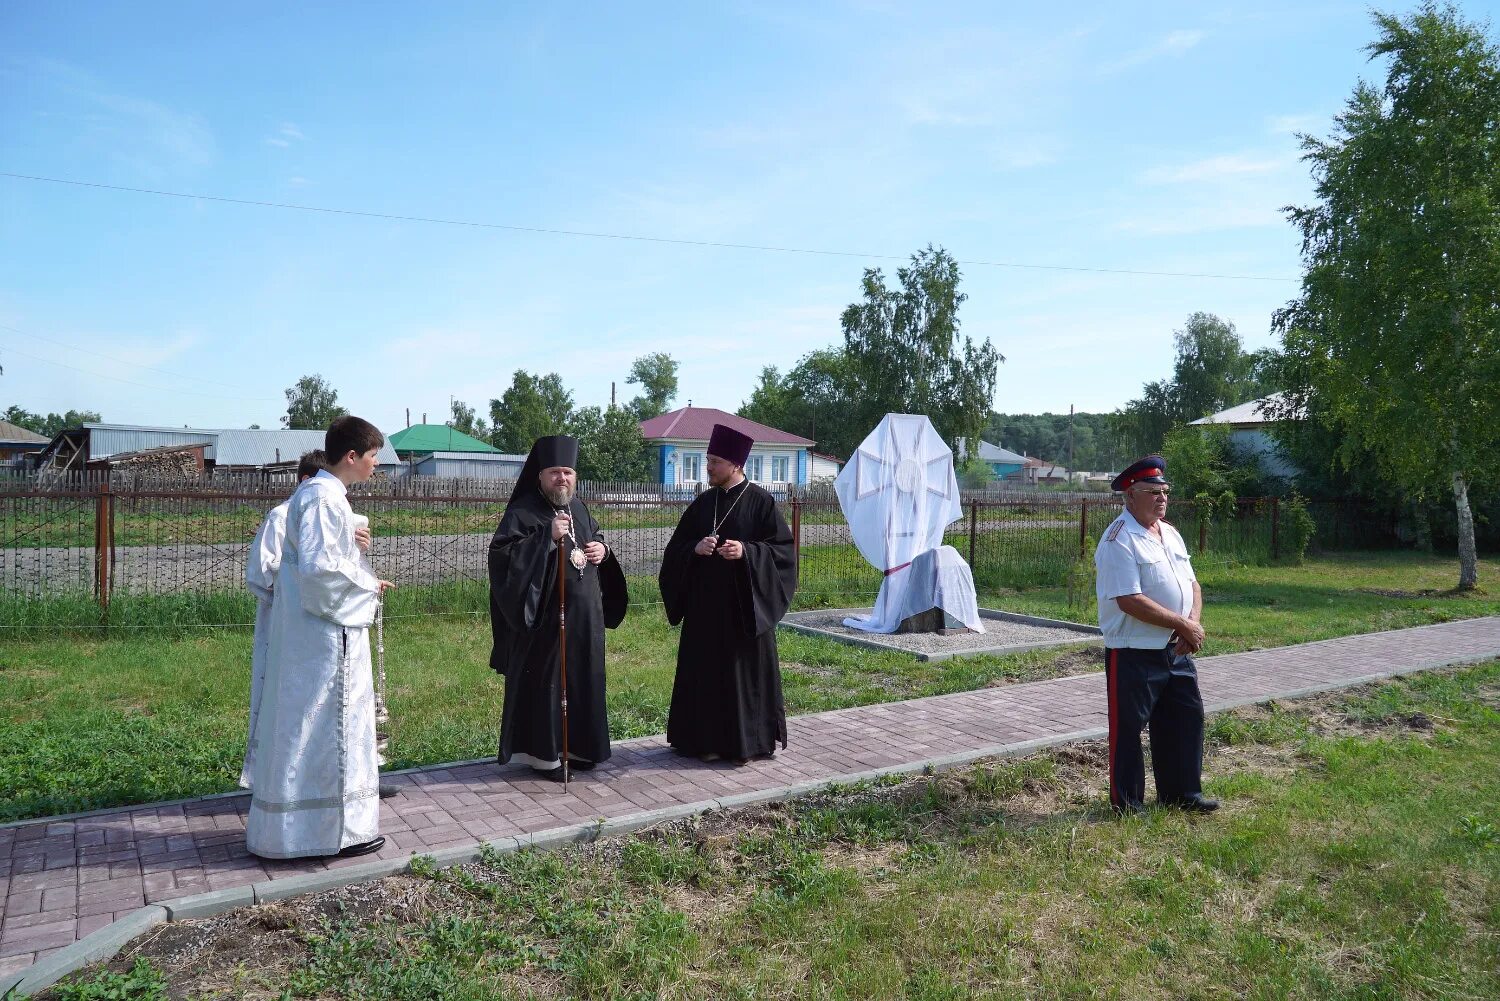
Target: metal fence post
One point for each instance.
(1083, 529)
(973, 530)
(103, 544)
(1275, 528)
(797, 539)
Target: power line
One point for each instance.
(472, 224)
(120, 361)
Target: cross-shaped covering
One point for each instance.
(899, 492)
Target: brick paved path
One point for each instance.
(63, 879)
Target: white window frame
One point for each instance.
(692, 467)
(781, 468)
(755, 468)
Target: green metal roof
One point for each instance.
(436, 438)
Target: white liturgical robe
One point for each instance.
(260, 577)
(315, 784)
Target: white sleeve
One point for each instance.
(1117, 570)
(265, 554)
(334, 586)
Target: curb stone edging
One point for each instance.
(104, 943)
(101, 944)
(107, 941)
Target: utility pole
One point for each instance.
(611, 394)
(408, 416)
(1070, 439)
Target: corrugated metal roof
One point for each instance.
(438, 438)
(260, 447)
(14, 433)
(993, 453)
(226, 446)
(111, 439)
(697, 424)
(1253, 412)
(482, 456)
(476, 465)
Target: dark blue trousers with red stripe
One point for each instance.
(1156, 687)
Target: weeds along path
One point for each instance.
(73, 877)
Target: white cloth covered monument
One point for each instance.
(899, 493)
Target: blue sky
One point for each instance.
(1089, 136)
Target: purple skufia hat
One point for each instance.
(729, 445)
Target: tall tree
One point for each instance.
(1396, 335)
(656, 374)
(610, 446)
(907, 353)
(1212, 372)
(811, 400)
(533, 406)
(465, 420)
(51, 423)
(312, 404)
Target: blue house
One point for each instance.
(1002, 461)
(679, 442)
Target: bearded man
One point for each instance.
(728, 576)
(545, 531)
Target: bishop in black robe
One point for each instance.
(727, 577)
(524, 617)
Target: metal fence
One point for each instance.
(105, 536)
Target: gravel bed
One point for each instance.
(1000, 633)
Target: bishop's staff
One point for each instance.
(562, 648)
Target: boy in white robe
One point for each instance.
(260, 577)
(315, 782)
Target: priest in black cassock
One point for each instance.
(728, 576)
(546, 528)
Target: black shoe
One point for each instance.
(1196, 803)
(387, 790)
(581, 766)
(363, 848)
(550, 774)
(1127, 809)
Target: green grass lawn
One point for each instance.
(1357, 856)
(144, 716)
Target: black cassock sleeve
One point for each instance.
(770, 578)
(675, 576)
(522, 564)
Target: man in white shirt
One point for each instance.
(1150, 605)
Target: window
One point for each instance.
(691, 468)
(755, 468)
(779, 465)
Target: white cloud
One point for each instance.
(1292, 124)
(1215, 168)
(1231, 213)
(285, 136)
(1174, 44)
(136, 130)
